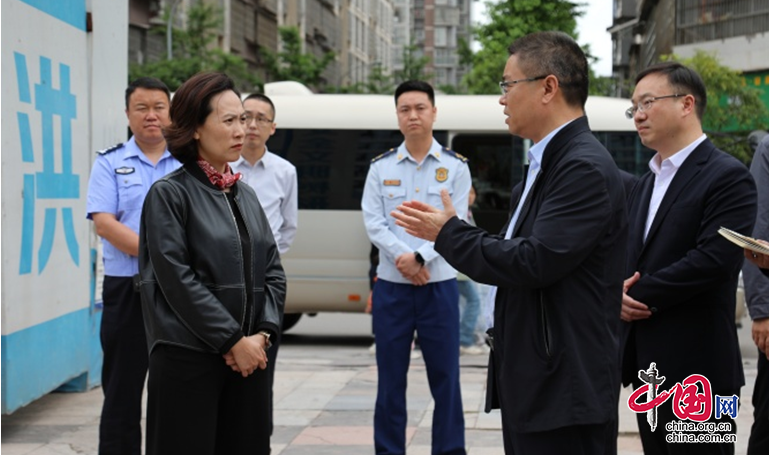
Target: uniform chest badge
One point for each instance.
(125, 170)
(441, 174)
(392, 183)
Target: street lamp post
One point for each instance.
(169, 30)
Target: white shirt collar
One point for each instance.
(264, 160)
(436, 150)
(677, 159)
(537, 150)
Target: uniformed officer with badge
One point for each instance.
(120, 179)
(416, 290)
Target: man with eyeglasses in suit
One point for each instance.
(556, 266)
(679, 300)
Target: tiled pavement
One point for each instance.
(324, 399)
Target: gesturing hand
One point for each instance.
(423, 220)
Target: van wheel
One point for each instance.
(290, 320)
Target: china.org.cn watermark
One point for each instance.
(696, 432)
(693, 403)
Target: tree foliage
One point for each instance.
(508, 21)
(733, 110)
(601, 85)
(291, 64)
(414, 66)
(194, 51)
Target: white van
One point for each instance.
(331, 140)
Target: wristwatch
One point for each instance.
(419, 258)
(266, 336)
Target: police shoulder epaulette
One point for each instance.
(111, 149)
(456, 155)
(377, 158)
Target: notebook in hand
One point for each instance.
(743, 241)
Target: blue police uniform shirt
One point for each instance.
(395, 177)
(120, 179)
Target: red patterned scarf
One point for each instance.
(216, 178)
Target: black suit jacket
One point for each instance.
(689, 272)
(555, 359)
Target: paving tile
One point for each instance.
(344, 418)
(20, 448)
(351, 402)
(629, 443)
(328, 450)
(284, 435)
(486, 451)
(483, 438)
(300, 418)
(33, 433)
(336, 435)
(422, 437)
(490, 421)
(415, 449)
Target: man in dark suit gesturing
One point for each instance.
(679, 303)
(554, 366)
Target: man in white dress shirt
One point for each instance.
(272, 177)
(274, 180)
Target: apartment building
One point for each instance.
(359, 32)
(246, 26)
(320, 23)
(366, 39)
(436, 28)
(736, 31)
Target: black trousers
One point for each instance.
(599, 439)
(758, 444)
(655, 443)
(197, 405)
(125, 368)
(272, 359)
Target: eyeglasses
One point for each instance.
(261, 121)
(646, 104)
(504, 86)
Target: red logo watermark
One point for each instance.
(692, 398)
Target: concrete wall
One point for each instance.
(62, 97)
(744, 53)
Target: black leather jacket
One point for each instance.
(192, 279)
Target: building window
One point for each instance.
(441, 36)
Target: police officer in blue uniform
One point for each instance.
(416, 290)
(120, 179)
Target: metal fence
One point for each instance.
(708, 20)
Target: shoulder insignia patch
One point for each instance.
(377, 158)
(111, 149)
(456, 155)
(125, 170)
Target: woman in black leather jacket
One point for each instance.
(212, 285)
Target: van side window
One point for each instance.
(496, 165)
(627, 150)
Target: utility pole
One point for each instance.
(170, 29)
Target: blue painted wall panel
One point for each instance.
(70, 11)
(40, 358)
